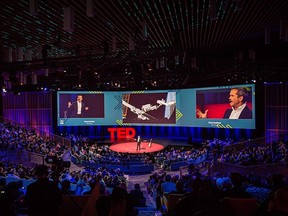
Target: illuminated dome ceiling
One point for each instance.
(154, 43)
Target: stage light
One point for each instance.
(46, 72)
(239, 4)
(28, 54)
(19, 54)
(114, 43)
(33, 7)
(162, 62)
(7, 58)
(267, 35)
(68, 19)
(194, 63)
(157, 64)
(177, 60)
(90, 8)
(144, 31)
(131, 44)
(282, 29)
(34, 79)
(4, 89)
(252, 54)
(213, 10)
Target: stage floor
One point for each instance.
(130, 147)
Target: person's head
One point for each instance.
(12, 189)
(276, 181)
(79, 98)
(65, 185)
(223, 183)
(236, 179)
(3, 182)
(237, 97)
(280, 200)
(137, 186)
(118, 195)
(179, 185)
(41, 171)
(168, 178)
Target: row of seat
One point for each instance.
(176, 165)
(144, 168)
(229, 206)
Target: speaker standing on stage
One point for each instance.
(138, 143)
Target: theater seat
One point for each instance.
(240, 206)
(73, 205)
(170, 201)
(279, 202)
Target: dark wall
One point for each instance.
(276, 109)
(31, 109)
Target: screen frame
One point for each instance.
(185, 115)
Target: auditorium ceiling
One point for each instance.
(115, 44)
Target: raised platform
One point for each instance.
(130, 147)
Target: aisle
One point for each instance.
(141, 179)
(150, 210)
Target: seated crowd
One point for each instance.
(23, 139)
(255, 155)
(197, 193)
(102, 154)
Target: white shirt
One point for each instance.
(79, 107)
(236, 112)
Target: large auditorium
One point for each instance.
(144, 108)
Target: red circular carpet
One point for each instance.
(130, 147)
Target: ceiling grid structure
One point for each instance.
(207, 33)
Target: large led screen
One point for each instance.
(220, 107)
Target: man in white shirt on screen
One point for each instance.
(238, 102)
(77, 109)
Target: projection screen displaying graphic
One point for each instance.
(155, 107)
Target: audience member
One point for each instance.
(237, 190)
(278, 205)
(8, 199)
(65, 187)
(43, 197)
(136, 196)
(168, 186)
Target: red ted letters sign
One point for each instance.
(122, 133)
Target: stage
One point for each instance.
(130, 147)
